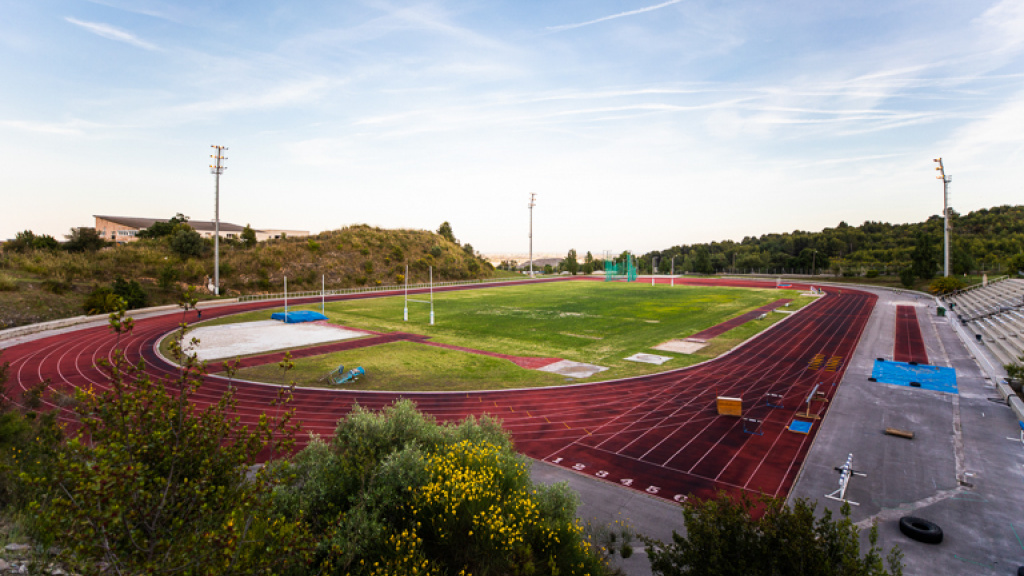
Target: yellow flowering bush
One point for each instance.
(395, 493)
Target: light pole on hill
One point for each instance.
(533, 202)
(946, 179)
(217, 169)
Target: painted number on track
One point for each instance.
(557, 460)
(653, 489)
(626, 481)
(679, 498)
(601, 473)
(578, 466)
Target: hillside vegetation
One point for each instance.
(41, 281)
(988, 240)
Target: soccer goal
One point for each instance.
(407, 299)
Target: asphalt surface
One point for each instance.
(963, 470)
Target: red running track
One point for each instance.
(909, 344)
(659, 434)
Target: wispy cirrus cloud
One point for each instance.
(564, 27)
(112, 33)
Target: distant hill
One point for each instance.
(39, 284)
(984, 240)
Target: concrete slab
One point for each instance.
(648, 358)
(573, 369)
(234, 340)
(681, 346)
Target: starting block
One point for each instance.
(773, 400)
(728, 406)
(814, 396)
(1021, 424)
(846, 472)
(753, 426)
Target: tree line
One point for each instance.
(988, 240)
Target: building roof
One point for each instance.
(197, 225)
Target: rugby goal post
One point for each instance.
(407, 299)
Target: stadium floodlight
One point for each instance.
(217, 169)
(533, 202)
(946, 179)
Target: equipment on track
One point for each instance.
(846, 472)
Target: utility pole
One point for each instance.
(946, 179)
(533, 202)
(217, 169)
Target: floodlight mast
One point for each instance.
(533, 202)
(946, 179)
(217, 169)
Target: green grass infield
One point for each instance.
(592, 322)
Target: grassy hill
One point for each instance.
(44, 284)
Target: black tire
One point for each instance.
(921, 530)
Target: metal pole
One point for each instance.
(533, 202)
(946, 179)
(323, 285)
(217, 170)
(431, 295)
(405, 314)
(285, 299)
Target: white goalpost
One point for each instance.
(407, 299)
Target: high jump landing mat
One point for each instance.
(936, 378)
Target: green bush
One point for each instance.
(7, 283)
(149, 483)
(726, 536)
(168, 276)
(907, 278)
(131, 292)
(396, 493)
(945, 285)
(186, 242)
(872, 273)
(102, 300)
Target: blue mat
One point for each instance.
(298, 316)
(800, 426)
(936, 378)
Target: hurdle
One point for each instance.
(846, 472)
(729, 406)
(812, 397)
(756, 430)
(773, 400)
(405, 312)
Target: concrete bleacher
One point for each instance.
(995, 313)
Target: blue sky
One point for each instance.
(638, 124)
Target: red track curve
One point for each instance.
(658, 433)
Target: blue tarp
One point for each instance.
(298, 316)
(937, 378)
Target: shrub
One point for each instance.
(368, 267)
(945, 285)
(186, 242)
(730, 536)
(435, 251)
(131, 292)
(394, 492)
(101, 301)
(168, 493)
(168, 276)
(907, 278)
(7, 283)
(313, 246)
(872, 273)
